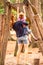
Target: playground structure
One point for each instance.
(32, 14)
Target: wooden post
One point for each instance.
(35, 3)
(0, 37)
(0, 30)
(5, 31)
(36, 61)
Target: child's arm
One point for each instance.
(24, 12)
(33, 36)
(30, 32)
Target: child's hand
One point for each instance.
(36, 39)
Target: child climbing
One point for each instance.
(21, 16)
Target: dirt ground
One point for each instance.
(32, 54)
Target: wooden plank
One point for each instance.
(35, 28)
(30, 15)
(1, 29)
(27, 3)
(1, 35)
(39, 24)
(38, 20)
(14, 5)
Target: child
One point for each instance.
(23, 40)
(28, 32)
(21, 17)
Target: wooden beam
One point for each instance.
(36, 25)
(27, 3)
(15, 5)
(5, 33)
(30, 15)
(0, 37)
(39, 24)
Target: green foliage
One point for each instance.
(14, 12)
(1, 11)
(13, 1)
(1, 8)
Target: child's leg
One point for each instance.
(18, 52)
(30, 37)
(26, 51)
